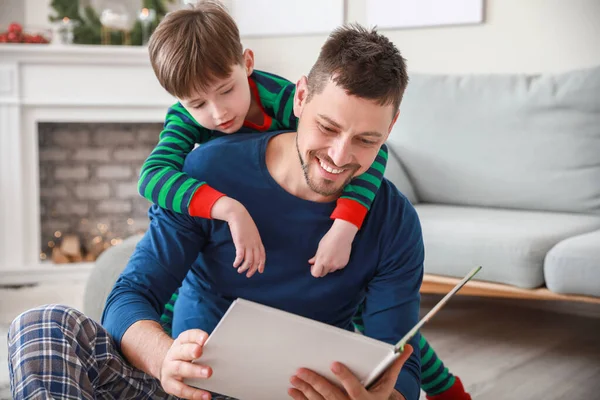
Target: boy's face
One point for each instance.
(339, 135)
(224, 106)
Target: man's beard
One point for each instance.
(326, 188)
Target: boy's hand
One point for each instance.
(178, 365)
(334, 249)
(249, 250)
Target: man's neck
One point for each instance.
(283, 163)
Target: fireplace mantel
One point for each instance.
(75, 54)
(47, 83)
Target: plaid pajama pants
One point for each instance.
(56, 352)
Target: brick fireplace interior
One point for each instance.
(88, 181)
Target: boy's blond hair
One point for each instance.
(193, 47)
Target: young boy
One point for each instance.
(197, 57)
(219, 98)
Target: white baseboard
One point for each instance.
(45, 272)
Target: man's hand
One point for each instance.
(178, 365)
(334, 249)
(248, 245)
(311, 386)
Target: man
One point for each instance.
(289, 182)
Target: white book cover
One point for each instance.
(256, 349)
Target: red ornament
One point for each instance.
(13, 37)
(15, 34)
(16, 28)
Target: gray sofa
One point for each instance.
(504, 172)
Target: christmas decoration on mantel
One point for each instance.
(89, 27)
(16, 34)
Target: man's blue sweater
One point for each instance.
(385, 268)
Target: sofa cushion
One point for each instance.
(509, 244)
(508, 141)
(573, 265)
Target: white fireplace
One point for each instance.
(47, 83)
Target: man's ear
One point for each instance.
(249, 61)
(300, 96)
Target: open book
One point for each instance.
(255, 350)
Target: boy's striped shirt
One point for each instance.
(163, 183)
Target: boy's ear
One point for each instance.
(300, 96)
(249, 61)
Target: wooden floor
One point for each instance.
(500, 349)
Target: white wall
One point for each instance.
(10, 11)
(37, 12)
(30, 13)
(517, 36)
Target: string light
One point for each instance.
(99, 234)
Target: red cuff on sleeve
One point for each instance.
(351, 211)
(203, 201)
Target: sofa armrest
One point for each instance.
(104, 275)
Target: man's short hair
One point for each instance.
(364, 63)
(193, 47)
